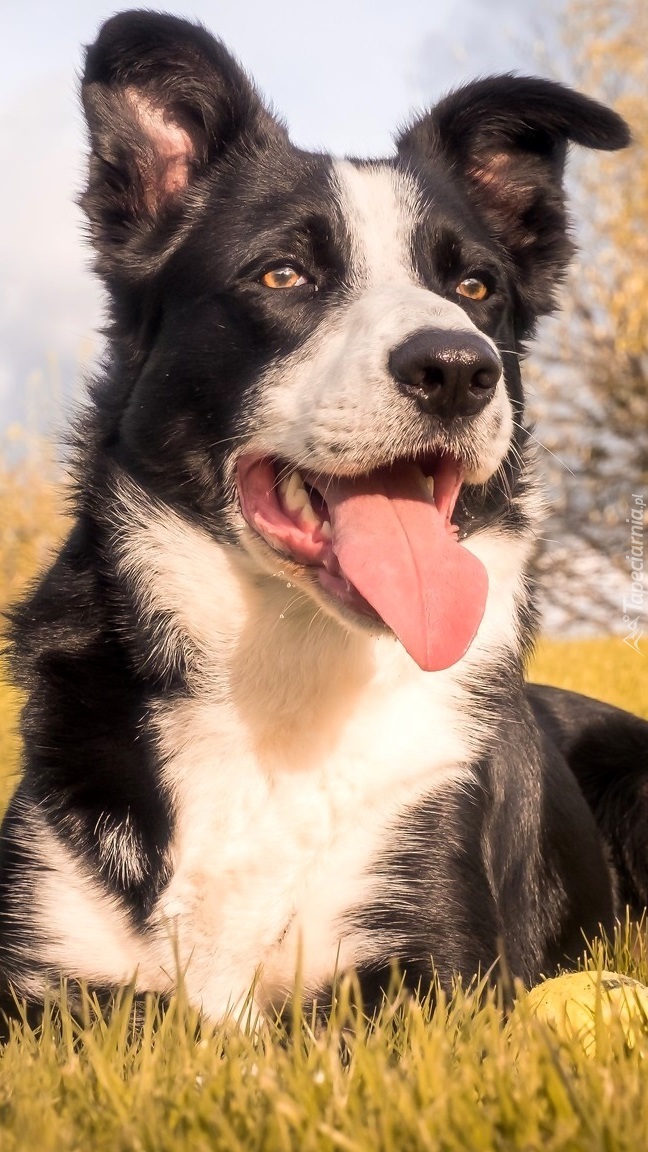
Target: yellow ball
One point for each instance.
(578, 1004)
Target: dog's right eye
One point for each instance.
(286, 276)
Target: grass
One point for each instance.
(455, 1080)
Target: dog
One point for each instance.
(276, 713)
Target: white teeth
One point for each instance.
(295, 498)
(308, 515)
(326, 531)
(294, 494)
(429, 480)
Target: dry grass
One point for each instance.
(606, 668)
(455, 1080)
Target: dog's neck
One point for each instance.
(262, 648)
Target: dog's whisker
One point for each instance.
(544, 447)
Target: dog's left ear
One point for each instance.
(505, 138)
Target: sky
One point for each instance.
(344, 74)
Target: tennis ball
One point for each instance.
(576, 1004)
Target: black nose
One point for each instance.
(448, 373)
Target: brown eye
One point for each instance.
(473, 289)
(284, 277)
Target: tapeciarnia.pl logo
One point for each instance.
(633, 605)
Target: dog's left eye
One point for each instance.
(287, 276)
(473, 289)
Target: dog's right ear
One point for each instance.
(163, 100)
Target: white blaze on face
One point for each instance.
(333, 405)
(381, 207)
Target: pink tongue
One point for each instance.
(393, 545)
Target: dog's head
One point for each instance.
(315, 359)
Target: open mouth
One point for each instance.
(382, 545)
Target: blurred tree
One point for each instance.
(612, 291)
(592, 406)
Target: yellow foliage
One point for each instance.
(10, 701)
(609, 43)
(32, 519)
(32, 522)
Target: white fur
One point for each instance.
(381, 207)
(88, 933)
(119, 849)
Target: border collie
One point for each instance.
(276, 710)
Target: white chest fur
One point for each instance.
(275, 840)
